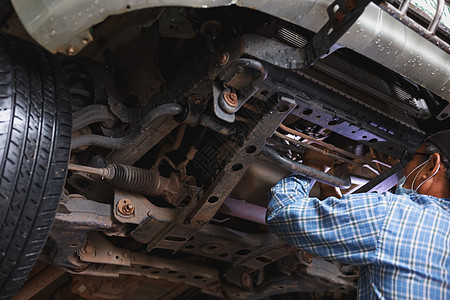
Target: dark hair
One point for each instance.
(430, 148)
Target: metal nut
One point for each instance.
(125, 207)
(231, 99)
(350, 5)
(338, 17)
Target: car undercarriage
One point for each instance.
(185, 114)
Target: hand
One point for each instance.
(331, 191)
(317, 160)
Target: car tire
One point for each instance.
(35, 132)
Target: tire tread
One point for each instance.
(34, 152)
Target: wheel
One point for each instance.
(35, 131)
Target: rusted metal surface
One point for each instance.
(342, 14)
(138, 180)
(114, 261)
(76, 216)
(38, 282)
(243, 156)
(150, 218)
(253, 251)
(231, 98)
(137, 141)
(324, 144)
(264, 49)
(98, 250)
(125, 287)
(154, 221)
(242, 75)
(306, 170)
(125, 207)
(247, 259)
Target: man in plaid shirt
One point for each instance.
(401, 241)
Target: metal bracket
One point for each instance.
(76, 216)
(217, 94)
(240, 76)
(138, 210)
(98, 250)
(341, 15)
(233, 171)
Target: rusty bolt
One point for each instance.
(125, 207)
(231, 99)
(195, 98)
(223, 58)
(110, 253)
(71, 50)
(338, 17)
(128, 209)
(89, 249)
(350, 5)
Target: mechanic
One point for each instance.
(401, 241)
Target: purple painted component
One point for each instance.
(244, 210)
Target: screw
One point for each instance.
(110, 253)
(223, 58)
(71, 50)
(231, 99)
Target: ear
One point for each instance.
(429, 187)
(433, 165)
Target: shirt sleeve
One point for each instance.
(345, 230)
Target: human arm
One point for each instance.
(345, 229)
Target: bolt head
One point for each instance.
(125, 207)
(89, 249)
(338, 17)
(231, 99)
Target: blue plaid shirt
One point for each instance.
(400, 242)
